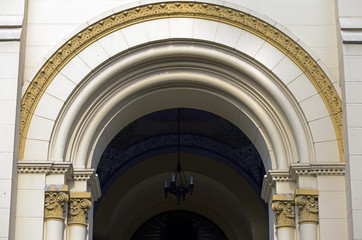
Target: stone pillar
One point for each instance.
(283, 206)
(79, 204)
(307, 202)
(56, 197)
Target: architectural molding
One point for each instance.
(190, 10)
(317, 169)
(91, 177)
(296, 170)
(34, 167)
(10, 33)
(307, 202)
(79, 204)
(47, 167)
(283, 206)
(11, 27)
(351, 30)
(56, 197)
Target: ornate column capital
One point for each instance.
(79, 204)
(307, 202)
(56, 196)
(283, 206)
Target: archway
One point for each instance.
(254, 88)
(227, 170)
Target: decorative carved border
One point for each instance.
(37, 167)
(91, 177)
(296, 170)
(189, 10)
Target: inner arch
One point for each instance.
(143, 154)
(201, 133)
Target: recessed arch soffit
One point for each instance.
(223, 14)
(201, 132)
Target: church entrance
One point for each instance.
(179, 225)
(226, 167)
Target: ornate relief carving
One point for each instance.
(46, 167)
(184, 9)
(56, 196)
(317, 169)
(307, 202)
(79, 204)
(283, 206)
(296, 170)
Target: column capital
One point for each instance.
(307, 202)
(79, 204)
(56, 196)
(283, 206)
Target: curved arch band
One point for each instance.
(188, 10)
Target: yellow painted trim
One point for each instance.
(283, 197)
(86, 195)
(306, 192)
(206, 11)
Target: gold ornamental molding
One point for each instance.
(206, 11)
(283, 206)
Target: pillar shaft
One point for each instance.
(286, 233)
(79, 204)
(56, 197)
(307, 202)
(283, 206)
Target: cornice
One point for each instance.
(351, 30)
(90, 176)
(296, 170)
(36, 167)
(84, 174)
(207, 11)
(317, 169)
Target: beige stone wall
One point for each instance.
(11, 71)
(350, 48)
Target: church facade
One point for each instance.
(259, 101)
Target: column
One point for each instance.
(56, 197)
(79, 204)
(283, 206)
(307, 202)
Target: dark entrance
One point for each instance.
(179, 225)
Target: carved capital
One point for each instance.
(307, 202)
(56, 196)
(79, 204)
(283, 206)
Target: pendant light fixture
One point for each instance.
(179, 184)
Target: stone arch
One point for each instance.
(87, 51)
